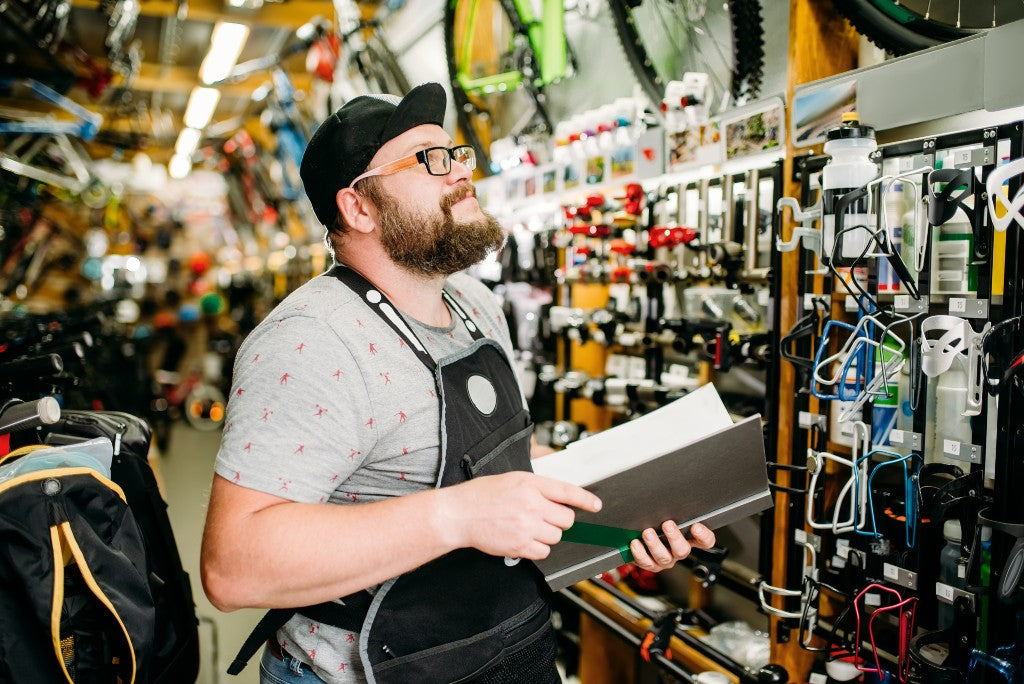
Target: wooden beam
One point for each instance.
(821, 44)
(175, 79)
(292, 14)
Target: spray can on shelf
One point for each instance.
(850, 145)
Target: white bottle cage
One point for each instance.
(949, 339)
(810, 569)
(1012, 208)
(806, 233)
(853, 491)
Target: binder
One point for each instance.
(717, 479)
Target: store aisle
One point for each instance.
(187, 470)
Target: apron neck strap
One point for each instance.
(387, 312)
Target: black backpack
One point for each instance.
(75, 599)
(174, 652)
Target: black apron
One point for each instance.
(466, 616)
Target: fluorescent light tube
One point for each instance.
(179, 166)
(225, 45)
(188, 140)
(201, 104)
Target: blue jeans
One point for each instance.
(287, 671)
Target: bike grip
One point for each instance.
(30, 414)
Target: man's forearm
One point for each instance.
(294, 554)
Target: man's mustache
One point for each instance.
(455, 196)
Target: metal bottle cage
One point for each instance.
(1012, 207)
(857, 500)
(959, 343)
(35, 132)
(906, 608)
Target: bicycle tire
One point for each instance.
(464, 106)
(386, 70)
(746, 43)
(894, 29)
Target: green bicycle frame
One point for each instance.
(547, 40)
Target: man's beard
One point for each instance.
(434, 243)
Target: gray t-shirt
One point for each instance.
(328, 404)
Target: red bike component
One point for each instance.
(599, 231)
(620, 246)
(662, 236)
(621, 274)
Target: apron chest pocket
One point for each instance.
(512, 453)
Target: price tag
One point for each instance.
(800, 536)
(957, 305)
(763, 296)
(901, 302)
(817, 678)
(890, 572)
(896, 436)
(872, 599)
(951, 447)
(944, 591)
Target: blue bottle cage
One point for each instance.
(86, 127)
(845, 390)
(980, 661)
(911, 490)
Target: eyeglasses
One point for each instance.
(438, 161)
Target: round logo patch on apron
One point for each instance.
(482, 394)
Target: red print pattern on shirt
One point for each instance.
(238, 477)
(431, 393)
(302, 345)
(351, 638)
(337, 374)
(266, 415)
(284, 483)
(353, 497)
(353, 453)
(301, 449)
(255, 358)
(284, 379)
(401, 476)
(369, 423)
(401, 343)
(313, 627)
(341, 667)
(405, 451)
(320, 411)
(238, 392)
(359, 323)
(248, 447)
(401, 416)
(373, 349)
(387, 377)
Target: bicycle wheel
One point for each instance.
(663, 39)
(494, 73)
(902, 26)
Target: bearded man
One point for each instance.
(377, 446)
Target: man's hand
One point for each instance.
(655, 557)
(516, 515)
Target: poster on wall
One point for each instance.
(696, 145)
(819, 108)
(757, 128)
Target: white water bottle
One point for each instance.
(850, 145)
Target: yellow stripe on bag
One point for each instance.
(76, 551)
(59, 562)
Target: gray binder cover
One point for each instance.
(717, 480)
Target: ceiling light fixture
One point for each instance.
(179, 166)
(225, 46)
(201, 104)
(188, 141)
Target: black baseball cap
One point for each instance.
(343, 145)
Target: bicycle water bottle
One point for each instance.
(850, 146)
(952, 568)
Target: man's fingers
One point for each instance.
(676, 541)
(569, 494)
(560, 516)
(656, 548)
(703, 537)
(549, 535)
(640, 555)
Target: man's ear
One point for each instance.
(357, 210)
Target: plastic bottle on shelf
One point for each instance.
(850, 146)
(952, 568)
(894, 208)
(946, 421)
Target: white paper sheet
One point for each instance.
(672, 426)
